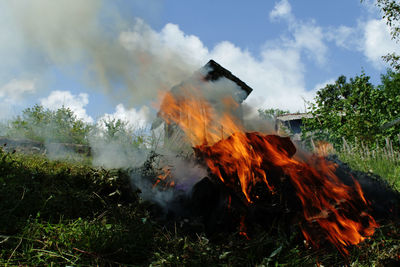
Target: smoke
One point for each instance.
(115, 154)
(254, 123)
(125, 58)
(185, 175)
(122, 56)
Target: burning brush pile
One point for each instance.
(255, 180)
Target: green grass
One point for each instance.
(63, 213)
(55, 213)
(384, 161)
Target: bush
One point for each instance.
(356, 110)
(44, 125)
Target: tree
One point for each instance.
(117, 130)
(356, 110)
(271, 114)
(60, 126)
(344, 110)
(389, 108)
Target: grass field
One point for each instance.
(58, 213)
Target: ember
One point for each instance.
(247, 161)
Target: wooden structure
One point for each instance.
(292, 122)
(208, 76)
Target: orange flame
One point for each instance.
(323, 148)
(233, 155)
(243, 228)
(165, 177)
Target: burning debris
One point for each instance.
(254, 178)
(213, 83)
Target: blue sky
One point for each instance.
(114, 57)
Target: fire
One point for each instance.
(165, 177)
(252, 158)
(242, 228)
(323, 148)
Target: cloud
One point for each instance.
(84, 35)
(135, 118)
(377, 42)
(12, 96)
(310, 37)
(304, 35)
(132, 62)
(323, 84)
(76, 103)
(282, 9)
(370, 37)
(15, 89)
(344, 36)
(371, 7)
(277, 77)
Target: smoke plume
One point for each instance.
(122, 56)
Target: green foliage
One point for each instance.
(355, 110)
(62, 126)
(79, 242)
(271, 114)
(44, 125)
(115, 129)
(60, 213)
(388, 108)
(119, 131)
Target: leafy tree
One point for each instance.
(356, 110)
(389, 105)
(60, 126)
(271, 114)
(343, 109)
(117, 130)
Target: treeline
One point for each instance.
(355, 111)
(63, 126)
(351, 110)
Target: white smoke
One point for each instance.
(90, 36)
(185, 175)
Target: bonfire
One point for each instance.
(253, 173)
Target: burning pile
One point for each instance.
(254, 165)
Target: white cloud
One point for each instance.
(76, 103)
(377, 42)
(344, 36)
(277, 78)
(310, 37)
(12, 96)
(277, 75)
(370, 37)
(323, 84)
(144, 61)
(15, 89)
(192, 49)
(135, 118)
(305, 35)
(171, 44)
(371, 7)
(281, 9)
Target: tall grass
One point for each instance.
(381, 160)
